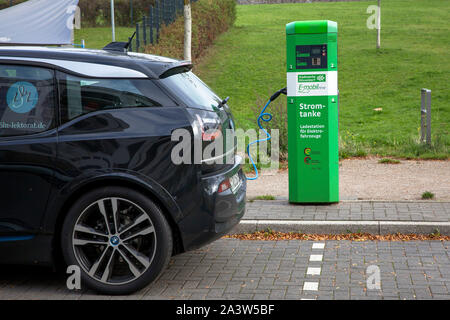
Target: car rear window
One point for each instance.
(80, 96)
(192, 91)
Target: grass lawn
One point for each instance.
(248, 64)
(97, 38)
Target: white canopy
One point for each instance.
(38, 22)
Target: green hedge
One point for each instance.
(97, 13)
(210, 18)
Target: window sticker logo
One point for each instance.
(307, 160)
(22, 97)
(307, 151)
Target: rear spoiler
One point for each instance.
(175, 68)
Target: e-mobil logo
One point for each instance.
(307, 88)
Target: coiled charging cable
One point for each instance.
(266, 117)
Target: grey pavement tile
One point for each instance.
(391, 211)
(274, 270)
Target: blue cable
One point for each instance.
(266, 117)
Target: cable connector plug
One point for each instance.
(277, 94)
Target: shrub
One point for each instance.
(427, 195)
(350, 146)
(389, 161)
(97, 13)
(265, 197)
(209, 19)
(278, 109)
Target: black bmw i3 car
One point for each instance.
(87, 170)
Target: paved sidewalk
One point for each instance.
(365, 216)
(350, 210)
(239, 269)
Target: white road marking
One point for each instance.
(313, 271)
(316, 257)
(318, 245)
(310, 286)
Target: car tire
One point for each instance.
(117, 253)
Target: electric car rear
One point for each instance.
(102, 163)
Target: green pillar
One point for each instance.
(312, 96)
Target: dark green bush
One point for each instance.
(97, 13)
(278, 109)
(209, 19)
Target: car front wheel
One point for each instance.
(119, 238)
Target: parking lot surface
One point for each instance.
(239, 269)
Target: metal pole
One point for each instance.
(131, 12)
(379, 25)
(113, 22)
(158, 20)
(429, 117)
(151, 25)
(425, 116)
(138, 41)
(423, 112)
(144, 30)
(173, 11)
(163, 12)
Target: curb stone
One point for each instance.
(352, 200)
(339, 227)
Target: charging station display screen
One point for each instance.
(311, 57)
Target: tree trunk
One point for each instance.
(187, 30)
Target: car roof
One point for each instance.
(92, 63)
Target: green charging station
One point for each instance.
(312, 96)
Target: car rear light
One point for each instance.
(224, 186)
(211, 129)
(214, 142)
(211, 134)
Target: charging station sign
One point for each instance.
(317, 83)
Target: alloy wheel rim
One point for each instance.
(114, 241)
